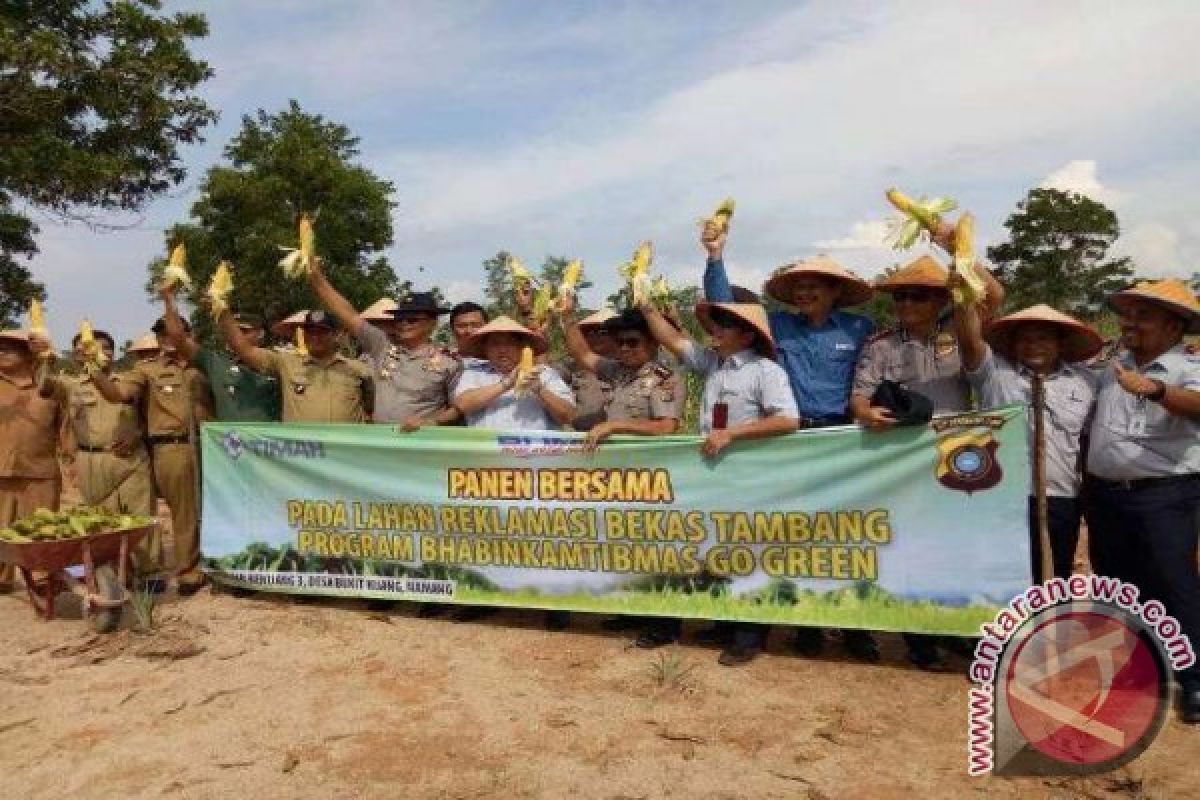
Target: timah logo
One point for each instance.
(266, 447)
(538, 445)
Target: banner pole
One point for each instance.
(1039, 475)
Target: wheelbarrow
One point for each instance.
(105, 557)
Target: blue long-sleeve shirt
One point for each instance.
(819, 361)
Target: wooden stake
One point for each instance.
(1039, 475)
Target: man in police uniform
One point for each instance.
(413, 375)
(1143, 484)
(29, 436)
(321, 385)
(110, 455)
(239, 393)
(592, 391)
(173, 399)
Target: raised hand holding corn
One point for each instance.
(299, 260)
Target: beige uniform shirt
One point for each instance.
(97, 423)
(932, 367)
(592, 394)
(651, 392)
(29, 429)
(173, 398)
(409, 382)
(340, 391)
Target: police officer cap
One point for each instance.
(907, 406)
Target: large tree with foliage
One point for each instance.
(1057, 253)
(280, 165)
(95, 100)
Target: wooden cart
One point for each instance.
(105, 558)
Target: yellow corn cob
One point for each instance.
(723, 215)
(543, 303)
(660, 293)
(299, 260)
(520, 276)
(973, 288)
(570, 278)
(524, 369)
(918, 215)
(87, 342)
(635, 271)
(175, 273)
(37, 319)
(219, 289)
(301, 345)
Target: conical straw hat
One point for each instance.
(475, 346)
(925, 272)
(855, 290)
(597, 318)
(380, 310)
(144, 343)
(752, 313)
(1080, 341)
(286, 327)
(1173, 294)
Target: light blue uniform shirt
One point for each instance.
(1070, 395)
(753, 387)
(818, 361)
(1134, 438)
(509, 412)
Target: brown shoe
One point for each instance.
(190, 585)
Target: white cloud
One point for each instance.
(868, 235)
(1154, 248)
(459, 290)
(1082, 177)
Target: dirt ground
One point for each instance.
(268, 697)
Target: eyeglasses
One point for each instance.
(411, 318)
(913, 295)
(629, 341)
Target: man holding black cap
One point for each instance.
(413, 375)
(320, 385)
(239, 393)
(173, 398)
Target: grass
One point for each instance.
(670, 671)
(143, 603)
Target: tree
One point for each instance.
(96, 99)
(1056, 253)
(498, 285)
(280, 165)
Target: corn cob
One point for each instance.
(299, 260)
(517, 272)
(973, 288)
(219, 289)
(301, 345)
(570, 279)
(635, 272)
(524, 369)
(92, 353)
(660, 294)
(722, 216)
(175, 273)
(918, 216)
(37, 319)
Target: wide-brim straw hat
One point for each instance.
(475, 346)
(380, 311)
(16, 336)
(751, 313)
(145, 343)
(854, 290)
(924, 273)
(1080, 341)
(598, 318)
(1173, 294)
(286, 327)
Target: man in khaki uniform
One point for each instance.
(174, 399)
(29, 434)
(110, 457)
(321, 385)
(592, 391)
(414, 376)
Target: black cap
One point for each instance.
(631, 319)
(245, 319)
(160, 325)
(419, 303)
(319, 319)
(907, 406)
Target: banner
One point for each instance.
(914, 529)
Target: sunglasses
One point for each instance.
(629, 341)
(913, 295)
(413, 318)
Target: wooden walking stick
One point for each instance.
(1039, 475)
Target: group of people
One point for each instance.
(1121, 431)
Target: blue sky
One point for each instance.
(580, 128)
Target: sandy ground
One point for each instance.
(268, 697)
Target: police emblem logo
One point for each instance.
(945, 344)
(299, 388)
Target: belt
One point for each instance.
(1142, 483)
(174, 438)
(87, 448)
(825, 422)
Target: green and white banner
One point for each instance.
(915, 529)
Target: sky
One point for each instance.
(582, 128)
